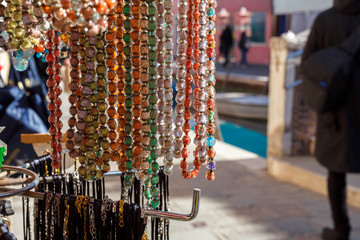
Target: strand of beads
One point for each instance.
(53, 104)
(180, 75)
(120, 45)
(99, 108)
(168, 154)
(187, 114)
(142, 173)
(136, 99)
(58, 113)
(74, 88)
(152, 182)
(82, 102)
(160, 34)
(3, 33)
(112, 85)
(200, 82)
(129, 176)
(210, 51)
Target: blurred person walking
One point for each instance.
(338, 127)
(244, 45)
(226, 43)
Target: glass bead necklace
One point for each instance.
(120, 45)
(111, 66)
(54, 92)
(160, 62)
(187, 102)
(136, 85)
(142, 173)
(151, 183)
(74, 88)
(168, 145)
(128, 96)
(210, 51)
(181, 74)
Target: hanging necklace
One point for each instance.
(129, 176)
(120, 47)
(151, 184)
(142, 174)
(187, 102)
(98, 110)
(136, 85)
(181, 75)
(54, 93)
(112, 85)
(160, 34)
(210, 51)
(168, 145)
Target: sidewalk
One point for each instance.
(244, 202)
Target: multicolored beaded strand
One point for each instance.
(185, 122)
(210, 51)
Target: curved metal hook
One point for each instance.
(178, 216)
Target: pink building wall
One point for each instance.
(259, 53)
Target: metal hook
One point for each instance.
(148, 212)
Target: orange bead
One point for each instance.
(47, 9)
(137, 99)
(136, 112)
(136, 72)
(101, 7)
(39, 49)
(115, 156)
(113, 147)
(210, 176)
(112, 135)
(137, 150)
(111, 3)
(112, 99)
(136, 125)
(112, 87)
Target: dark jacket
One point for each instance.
(338, 132)
(226, 40)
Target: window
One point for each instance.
(258, 23)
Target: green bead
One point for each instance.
(154, 204)
(128, 92)
(154, 155)
(128, 165)
(211, 115)
(99, 44)
(128, 176)
(153, 99)
(128, 116)
(127, 37)
(152, 40)
(154, 180)
(127, 183)
(151, 26)
(152, 70)
(153, 128)
(147, 193)
(128, 103)
(152, 86)
(153, 114)
(127, 10)
(155, 192)
(153, 141)
(127, 50)
(128, 77)
(155, 167)
(128, 128)
(152, 10)
(127, 65)
(128, 153)
(11, 24)
(128, 140)
(127, 27)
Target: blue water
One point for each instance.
(244, 138)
